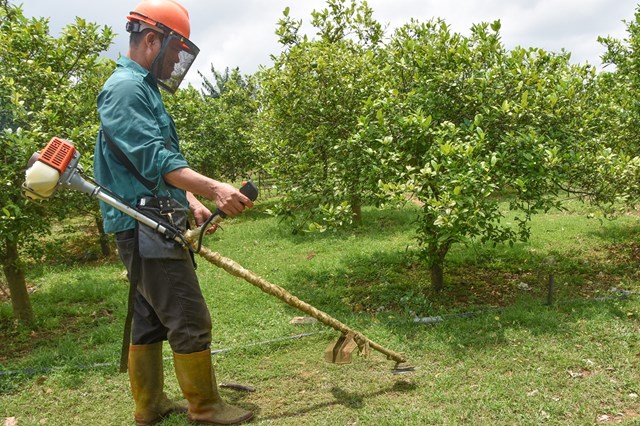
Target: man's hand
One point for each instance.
(200, 213)
(231, 201)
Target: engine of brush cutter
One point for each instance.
(48, 169)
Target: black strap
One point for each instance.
(126, 336)
(134, 274)
(134, 277)
(126, 163)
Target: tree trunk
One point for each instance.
(436, 262)
(104, 238)
(17, 286)
(356, 211)
(437, 276)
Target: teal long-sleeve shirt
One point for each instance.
(132, 113)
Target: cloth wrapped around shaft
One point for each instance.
(170, 214)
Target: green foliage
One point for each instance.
(309, 102)
(455, 121)
(215, 125)
(48, 88)
(618, 122)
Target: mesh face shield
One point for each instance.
(173, 61)
(176, 55)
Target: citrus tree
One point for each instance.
(613, 181)
(48, 88)
(309, 103)
(463, 125)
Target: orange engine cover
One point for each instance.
(57, 154)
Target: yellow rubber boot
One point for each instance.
(198, 382)
(146, 376)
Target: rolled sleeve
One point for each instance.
(169, 161)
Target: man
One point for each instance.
(137, 157)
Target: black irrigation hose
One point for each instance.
(36, 370)
(623, 295)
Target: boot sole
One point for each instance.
(236, 422)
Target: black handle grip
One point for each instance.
(250, 190)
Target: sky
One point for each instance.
(241, 33)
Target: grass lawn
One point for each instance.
(516, 361)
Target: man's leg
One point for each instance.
(172, 288)
(146, 373)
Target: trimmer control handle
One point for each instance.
(249, 190)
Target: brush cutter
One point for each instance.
(57, 167)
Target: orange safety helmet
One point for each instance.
(172, 20)
(168, 13)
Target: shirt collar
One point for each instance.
(132, 65)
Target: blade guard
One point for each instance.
(340, 351)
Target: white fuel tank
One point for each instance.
(41, 179)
